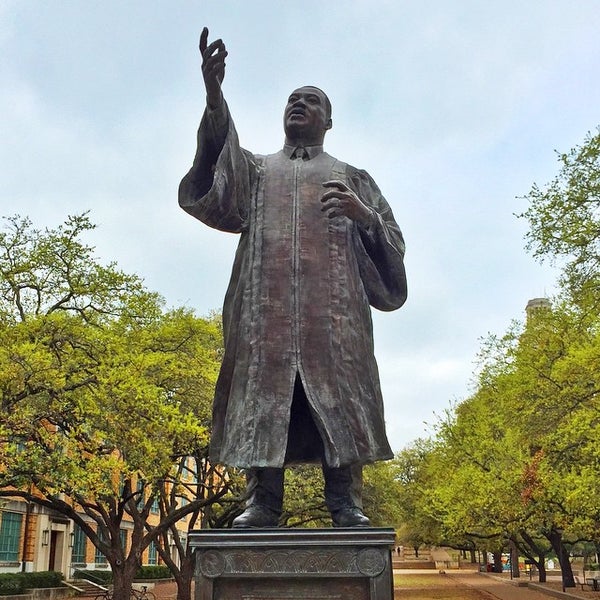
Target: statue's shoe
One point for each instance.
(350, 517)
(256, 515)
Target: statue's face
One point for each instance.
(306, 118)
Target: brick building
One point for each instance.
(33, 538)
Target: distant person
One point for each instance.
(318, 245)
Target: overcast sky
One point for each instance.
(454, 107)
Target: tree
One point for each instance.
(517, 461)
(103, 391)
(304, 500)
(415, 525)
(216, 494)
(564, 219)
(524, 444)
(473, 476)
(381, 493)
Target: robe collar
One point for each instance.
(312, 151)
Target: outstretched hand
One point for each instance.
(341, 201)
(213, 67)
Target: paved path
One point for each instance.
(167, 590)
(503, 590)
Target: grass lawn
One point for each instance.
(433, 587)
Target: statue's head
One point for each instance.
(307, 116)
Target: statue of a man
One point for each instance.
(318, 245)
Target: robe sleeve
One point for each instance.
(379, 247)
(217, 188)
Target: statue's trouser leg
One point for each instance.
(266, 488)
(343, 496)
(265, 499)
(343, 487)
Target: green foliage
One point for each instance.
(98, 382)
(564, 219)
(104, 392)
(18, 583)
(220, 514)
(11, 584)
(95, 575)
(304, 499)
(560, 352)
(42, 579)
(50, 271)
(519, 459)
(153, 572)
(381, 494)
(416, 474)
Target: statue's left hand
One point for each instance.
(213, 67)
(341, 201)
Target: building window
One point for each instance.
(152, 554)
(79, 545)
(123, 538)
(99, 558)
(190, 469)
(139, 488)
(155, 508)
(10, 534)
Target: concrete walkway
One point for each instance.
(502, 589)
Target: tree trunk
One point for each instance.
(532, 548)
(123, 576)
(185, 576)
(541, 565)
(555, 538)
(514, 560)
(473, 557)
(497, 562)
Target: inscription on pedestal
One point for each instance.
(369, 562)
(291, 597)
(292, 589)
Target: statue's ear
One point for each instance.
(328, 125)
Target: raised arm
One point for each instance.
(216, 188)
(213, 68)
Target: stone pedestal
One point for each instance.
(293, 564)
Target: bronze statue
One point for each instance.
(318, 245)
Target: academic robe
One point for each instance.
(298, 303)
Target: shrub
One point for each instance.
(153, 572)
(11, 583)
(17, 583)
(95, 576)
(42, 579)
